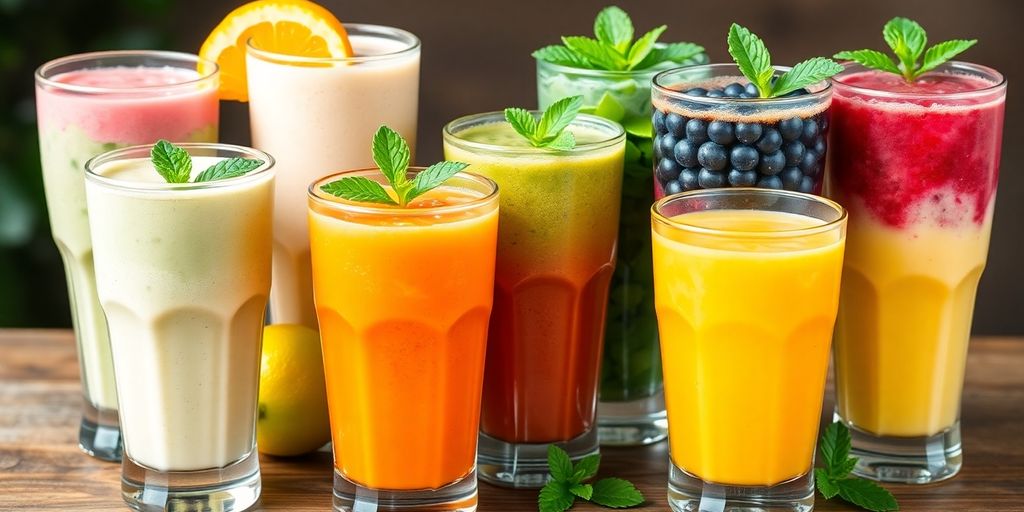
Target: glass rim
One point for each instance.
(977, 70)
(43, 77)
(658, 84)
(92, 165)
(824, 227)
(450, 134)
(379, 31)
(562, 68)
(320, 198)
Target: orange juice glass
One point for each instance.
(746, 288)
(403, 297)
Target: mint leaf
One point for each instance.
(358, 188)
(558, 54)
(867, 495)
(555, 496)
(522, 122)
(810, 71)
(228, 168)
(584, 491)
(826, 485)
(391, 154)
(433, 176)
(752, 57)
(172, 162)
(616, 493)
(586, 468)
(907, 39)
(563, 142)
(835, 448)
(942, 52)
(594, 51)
(558, 116)
(673, 52)
(559, 464)
(872, 59)
(643, 46)
(614, 28)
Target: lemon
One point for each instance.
(292, 417)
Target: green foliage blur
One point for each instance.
(32, 288)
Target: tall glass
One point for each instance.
(917, 166)
(315, 115)
(183, 276)
(746, 285)
(556, 255)
(87, 104)
(403, 296)
(632, 404)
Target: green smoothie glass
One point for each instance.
(632, 403)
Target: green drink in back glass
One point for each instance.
(616, 85)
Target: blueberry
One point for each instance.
(658, 120)
(739, 178)
(791, 178)
(772, 163)
(675, 124)
(820, 146)
(748, 133)
(791, 128)
(810, 132)
(734, 90)
(688, 178)
(748, 96)
(799, 92)
(711, 179)
(668, 170)
(668, 144)
(769, 182)
(716, 93)
(685, 153)
(823, 122)
(697, 131)
(807, 185)
(697, 91)
(712, 156)
(743, 157)
(808, 161)
(770, 142)
(752, 90)
(672, 187)
(721, 132)
(794, 151)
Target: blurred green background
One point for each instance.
(475, 59)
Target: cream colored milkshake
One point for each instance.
(183, 275)
(317, 116)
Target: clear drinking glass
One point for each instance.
(87, 104)
(917, 166)
(746, 285)
(403, 296)
(183, 276)
(316, 116)
(556, 253)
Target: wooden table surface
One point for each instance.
(41, 467)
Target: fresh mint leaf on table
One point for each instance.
(907, 39)
(549, 132)
(391, 154)
(834, 479)
(175, 165)
(568, 483)
(612, 48)
(751, 55)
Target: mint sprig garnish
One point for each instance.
(834, 479)
(755, 62)
(568, 483)
(175, 165)
(612, 48)
(907, 39)
(548, 132)
(391, 154)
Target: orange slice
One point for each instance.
(290, 27)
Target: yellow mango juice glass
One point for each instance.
(746, 285)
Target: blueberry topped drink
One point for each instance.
(745, 125)
(612, 73)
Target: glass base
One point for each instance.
(99, 434)
(459, 496)
(229, 489)
(689, 493)
(632, 423)
(525, 466)
(907, 460)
